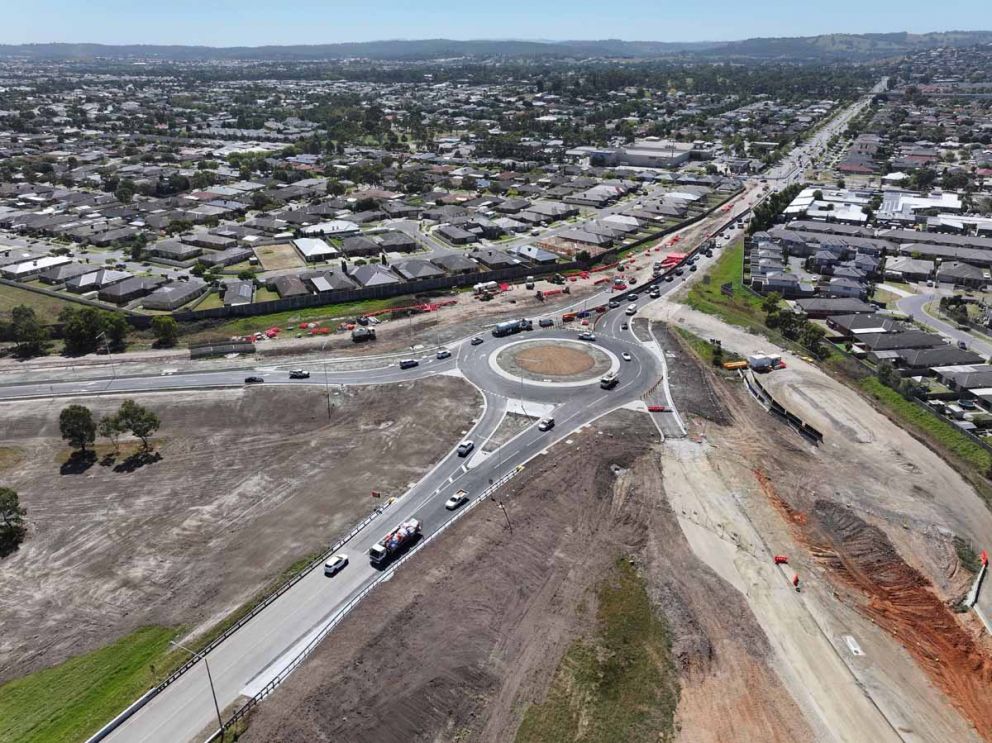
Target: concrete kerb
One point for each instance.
(494, 364)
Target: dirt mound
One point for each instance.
(554, 360)
(900, 600)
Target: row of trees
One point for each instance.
(792, 326)
(79, 428)
(84, 330)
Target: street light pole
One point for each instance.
(220, 720)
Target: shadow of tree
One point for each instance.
(137, 461)
(78, 462)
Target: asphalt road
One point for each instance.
(915, 306)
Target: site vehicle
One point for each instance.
(465, 448)
(299, 374)
(394, 543)
(361, 335)
(409, 363)
(511, 327)
(545, 424)
(253, 380)
(484, 287)
(568, 316)
(456, 500)
(336, 564)
(609, 381)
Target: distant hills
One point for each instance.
(828, 47)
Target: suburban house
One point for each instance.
(175, 295)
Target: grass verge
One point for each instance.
(741, 307)
(621, 684)
(64, 704)
(46, 308)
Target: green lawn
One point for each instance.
(46, 308)
(743, 308)
(243, 325)
(71, 701)
(620, 685)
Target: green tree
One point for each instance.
(138, 420)
(29, 334)
(81, 328)
(12, 529)
(110, 427)
(77, 426)
(116, 326)
(770, 303)
(166, 330)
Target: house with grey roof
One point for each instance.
(455, 264)
(417, 269)
(175, 295)
(533, 254)
(964, 274)
(374, 274)
(238, 292)
(95, 280)
(61, 274)
(129, 290)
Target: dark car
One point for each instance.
(409, 363)
(253, 380)
(614, 304)
(632, 297)
(546, 322)
(476, 341)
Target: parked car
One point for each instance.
(336, 564)
(465, 448)
(253, 380)
(476, 341)
(458, 499)
(299, 374)
(545, 424)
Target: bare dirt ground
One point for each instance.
(277, 257)
(557, 360)
(249, 481)
(870, 538)
(465, 637)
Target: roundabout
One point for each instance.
(553, 362)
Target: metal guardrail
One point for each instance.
(124, 716)
(248, 706)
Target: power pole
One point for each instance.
(220, 720)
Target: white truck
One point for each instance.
(609, 380)
(394, 543)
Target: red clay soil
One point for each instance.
(899, 599)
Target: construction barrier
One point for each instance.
(773, 406)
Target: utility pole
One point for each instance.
(220, 720)
(327, 392)
(506, 515)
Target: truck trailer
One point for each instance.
(394, 543)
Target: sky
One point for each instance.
(259, 22)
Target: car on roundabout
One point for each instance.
(476, 341)
(587, 336)
(626, 356)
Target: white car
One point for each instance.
(545, 424)
(336, 564)
(465, 448)
(444, 353)
(456, 500)
(626, 356)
